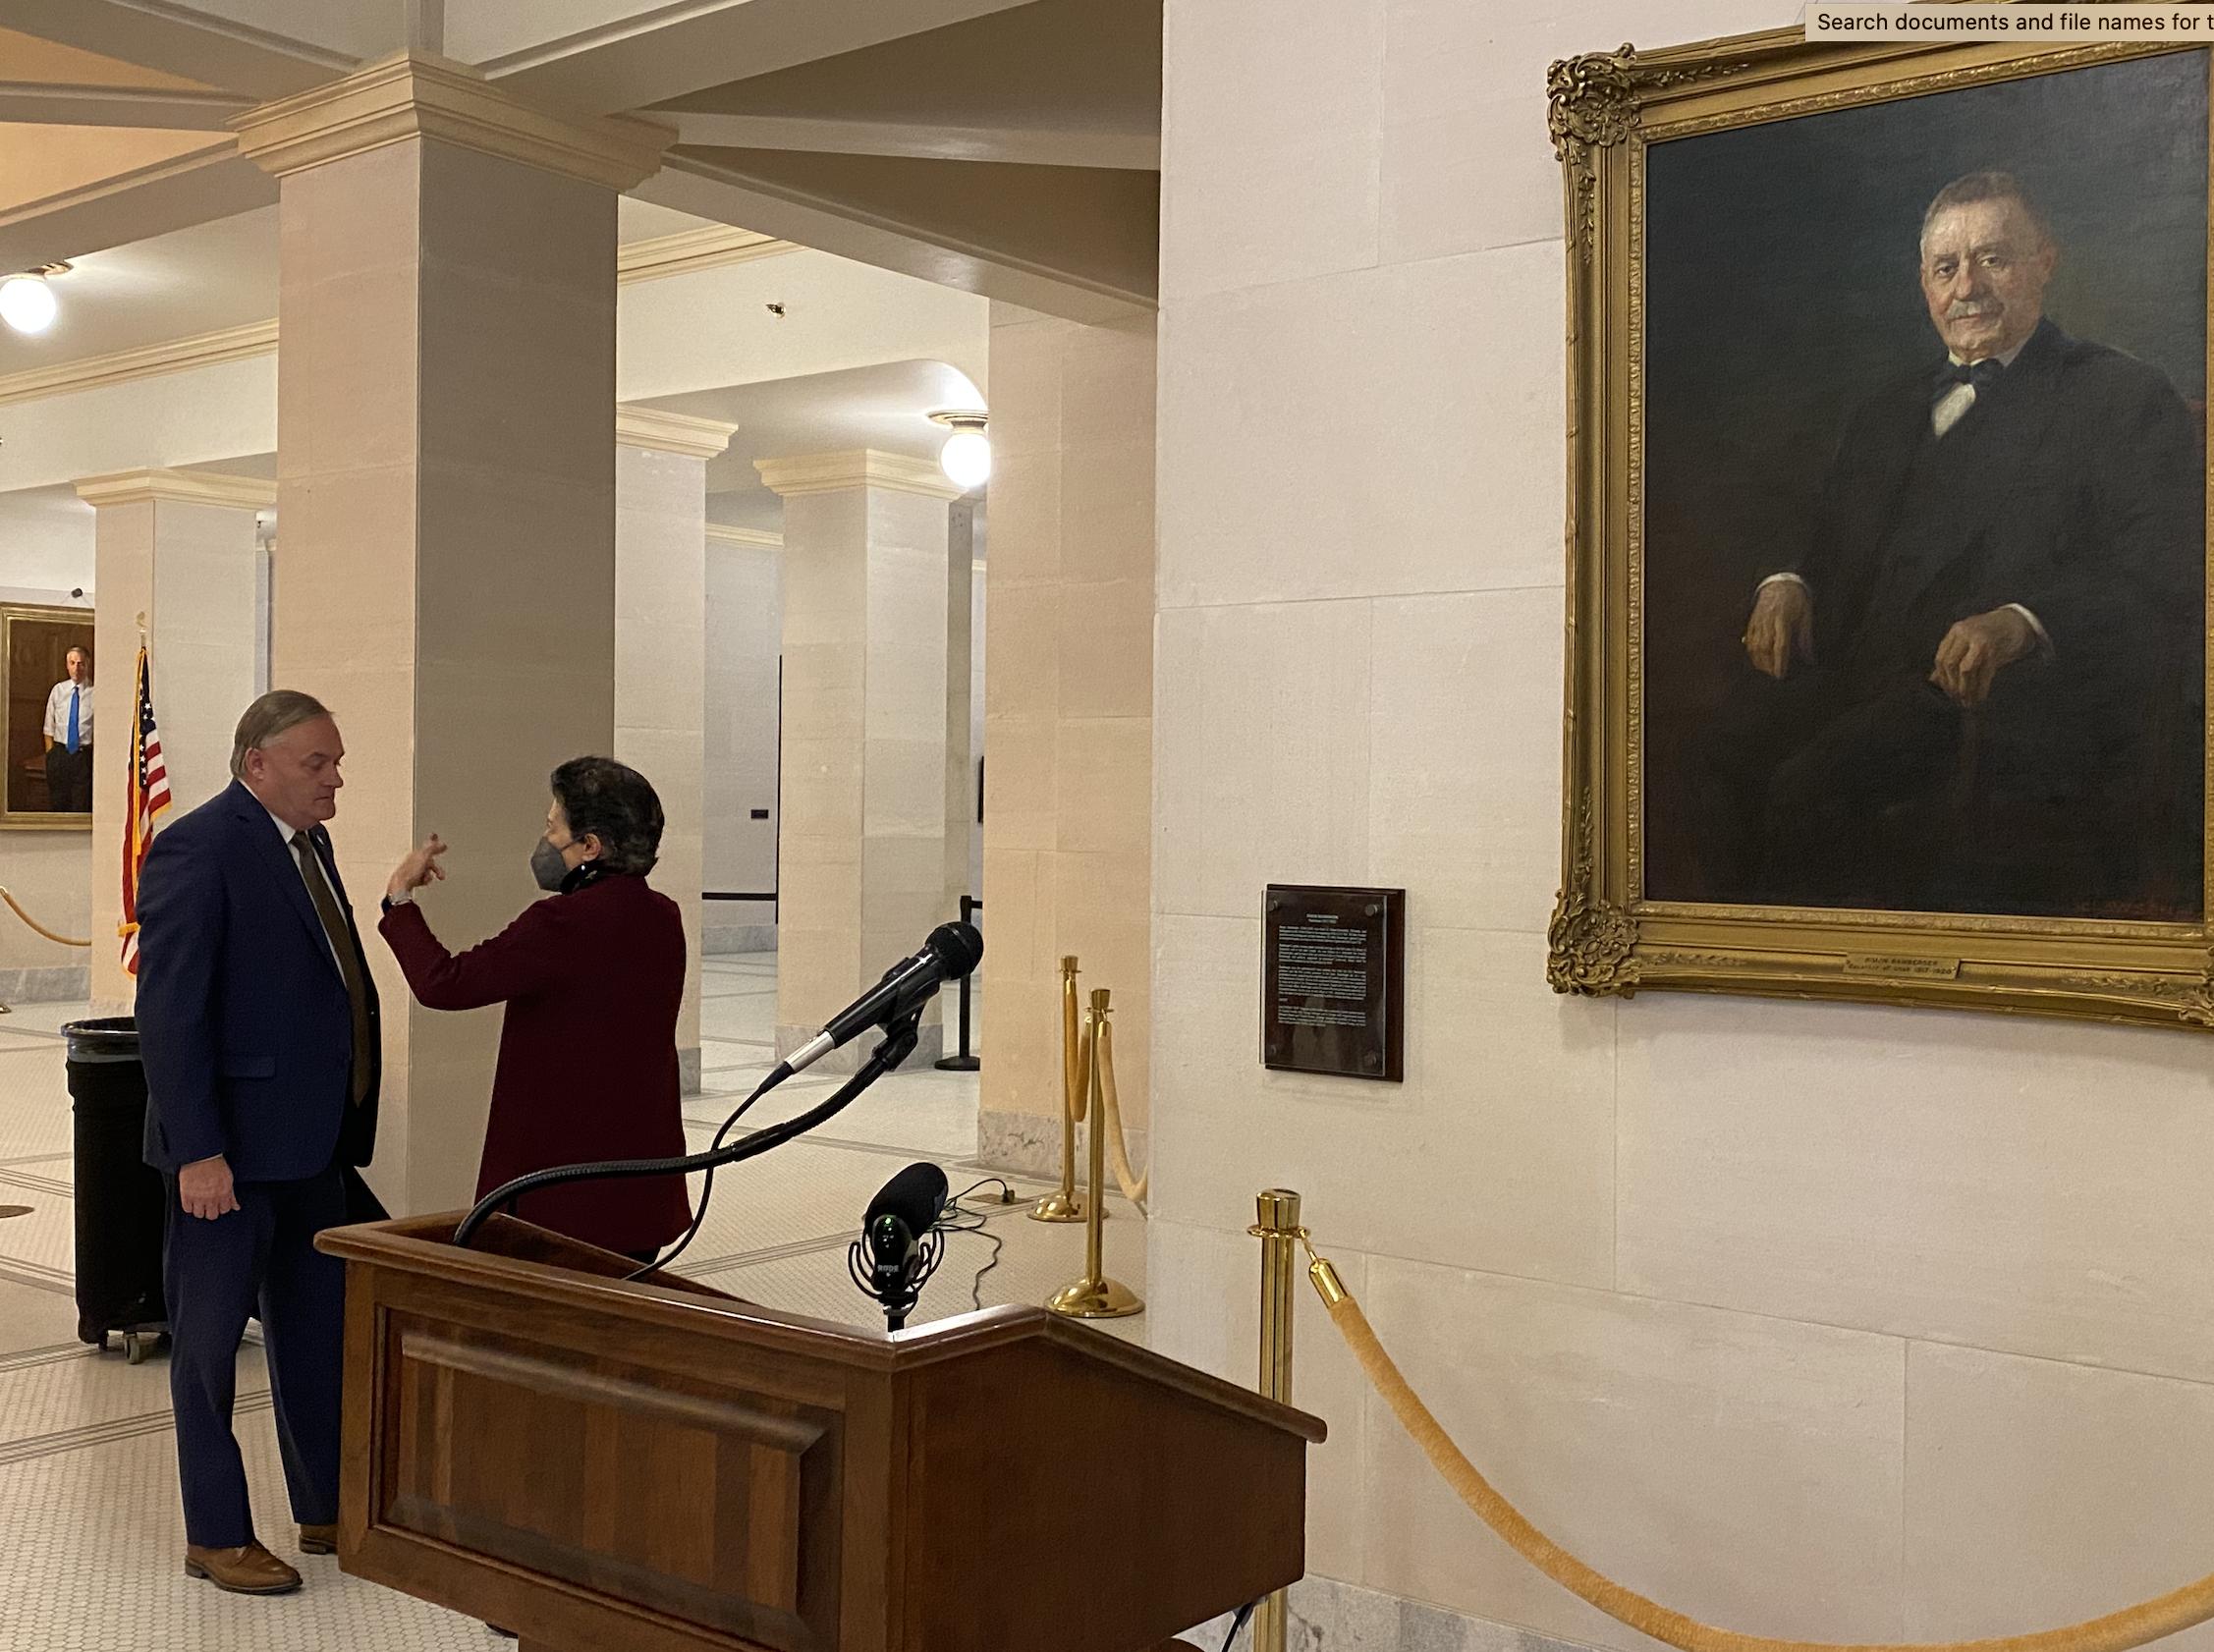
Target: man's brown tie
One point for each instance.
(349, 962)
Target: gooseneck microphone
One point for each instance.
(899, 1245)
(894, 1005)
(951, 952)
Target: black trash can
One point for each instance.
(119, 1195)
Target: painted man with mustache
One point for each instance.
(2005, 564)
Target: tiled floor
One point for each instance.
(91, 1537)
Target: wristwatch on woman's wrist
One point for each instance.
(405, 897)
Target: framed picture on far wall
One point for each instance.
(1888, 666)
(46, 655)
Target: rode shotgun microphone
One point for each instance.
(899, 1247)
(951, 952)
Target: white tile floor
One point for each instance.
(91, 1537)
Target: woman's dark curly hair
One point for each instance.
(615, 804)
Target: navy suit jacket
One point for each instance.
(243, 1023)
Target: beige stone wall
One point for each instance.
(1068, 714)
(1825, 1321)
(46, 872)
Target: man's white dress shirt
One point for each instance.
(57, 713)
(285, 832)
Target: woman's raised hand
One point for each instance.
(421, 867)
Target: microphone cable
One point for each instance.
(885, 1057)
(978, 1221)
(1238, 1622)
(758, 1142)
(777, 1076)
(707, 1183)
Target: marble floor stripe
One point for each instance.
(122, 1428)
(39, 1277)
(51, 1355)
(708, 1267)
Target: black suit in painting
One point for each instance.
(2074, 487)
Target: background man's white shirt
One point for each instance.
(57, 713)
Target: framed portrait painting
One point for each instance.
(1887, 602)
(45, 669)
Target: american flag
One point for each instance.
(147, 797)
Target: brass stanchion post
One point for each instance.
(1062, 1205)
(1277, 1229)
(1095, 1296)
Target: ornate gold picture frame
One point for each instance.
(36, 640)
(1771, 334)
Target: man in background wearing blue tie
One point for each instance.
(69, 738)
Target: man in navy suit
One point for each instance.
(258, 1027)
(2005, 571)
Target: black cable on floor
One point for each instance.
(1238, 1622)
(978, 1221)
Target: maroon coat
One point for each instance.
(592, 981)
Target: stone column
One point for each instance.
(446, 485)
(264, 604)
(177, 547)
(863, 840)
(1068, 717)
(961, 758)
(745, 640)
(661, 650)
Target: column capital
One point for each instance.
(758, 537)
(672, 432)
(181, 488)
(827, 473)
(411, 94)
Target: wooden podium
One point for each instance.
(603, 1467)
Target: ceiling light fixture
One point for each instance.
(27, 303)
(966, 457)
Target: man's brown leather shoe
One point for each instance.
(320, 1540)
(246, 1571)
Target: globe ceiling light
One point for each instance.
(27, 303)
(966, 457)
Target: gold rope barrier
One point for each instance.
(1276, 1224)
(2133, 1626)
(1063, 1203)
(1095, 1296)
(1133, 1185)
(41, 928)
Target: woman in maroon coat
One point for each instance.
(592, 980)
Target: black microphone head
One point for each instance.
(957, 947)
(916, 1196)
(888, 1244)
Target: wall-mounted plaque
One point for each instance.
(1334, 981)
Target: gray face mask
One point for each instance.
(547, 865)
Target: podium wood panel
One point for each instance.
(656, 1467)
